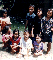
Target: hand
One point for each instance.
(7, 36)
(6, 40)
(32, 28)
(14, 47)
(32, 48)
(51, 29)
(11, 46)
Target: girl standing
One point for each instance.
(46, 29)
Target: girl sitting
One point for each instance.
(6, 36)
(38, 46)
(15, 41)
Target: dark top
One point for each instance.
(46, 29)
(37, 27)
(31, 20)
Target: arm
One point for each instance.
(51, 29)
(0, 28)
(11, 44)
(41, 24)
(16, 46)
(26, 24)
(5, 38)
(41, 51)
(8, 21)
(32, 32)
(52, 25)
(28, 52)
(42, 28)
(0, 25)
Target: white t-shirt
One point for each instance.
(7, 19)
(25, 45)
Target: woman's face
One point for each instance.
(5, 14)
(49, 14)
(26, 35)
(39, 12)
(15, 35)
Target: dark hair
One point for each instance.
(40, 9)
(52, 12)
(49, 9)
(16, 30)
(26, 31)
(31, 6)
(39, 35)
(3, 11)
(5, 30)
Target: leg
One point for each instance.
(5, 44)
(37, 54)
(43, 46)
(49, 47)
(13, 51)
(0, 28)
(19, 53)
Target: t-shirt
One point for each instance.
(15, 42)
(25, 45)
(37, 27)
(38, 47)
(31, 19)
(7, 19)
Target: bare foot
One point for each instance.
(12, 52)
(18, 55)
(46, 55)
(35, 55)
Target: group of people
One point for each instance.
(40, 25)
(39, 31)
